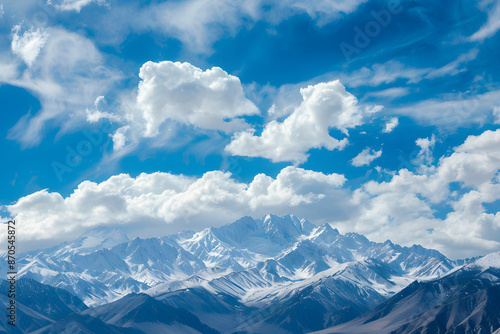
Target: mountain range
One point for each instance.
(268, 275)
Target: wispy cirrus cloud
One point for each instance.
(453, 110)
(66, 73)
(199, 23)
(73, 5)
(393, 70)
(492, 25)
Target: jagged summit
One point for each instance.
(102, 236)
(301, 277)
(103, 265)
(491, 260)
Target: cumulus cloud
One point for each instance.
(213, 199)
(28, 44)
(402, 208)
(324, 106)
(181, 92)
(119, 138)
(391, 125)
(174, 98)
(365, 157)
(426, 145)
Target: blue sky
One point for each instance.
(379, 117)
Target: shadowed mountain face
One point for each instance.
(147, 314)
(43, 309)
(38, 305)
(464, 301)
(83, 324)
(103, 265)
(271, 275)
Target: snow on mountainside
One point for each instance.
(37, 305)
(246, 259)
(466, 300)
(141, 312)
(92, 240)
(491, 260)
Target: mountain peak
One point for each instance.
(388, 243)
(99, 238)
(357, 237)
(102, 231)
(329, 228)
(286, 229)
(324, 233)
(491, 260)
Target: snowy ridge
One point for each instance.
(491, 260)
(245, 259)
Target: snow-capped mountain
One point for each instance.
(272, 252)
(37, 305)
(274, 274)
(466, 300)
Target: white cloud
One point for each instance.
(469, 225)
(365, 157)
(278, 101)
(325, 106)
(491, 27)
(391, 125)
(28, 44)
(453, 67)
(95, 115)
(424, 156)
(401, 209)
(120, 138)
(9, 66)
(496, 114)
(453, 110)
(175, 103)
(67, 76)
(391, 93)
(73, 5)
(213, 199)
(323, 10)
(393, 70)
(199, 23)
(385, 73)
(181, 92)
(475, 162)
